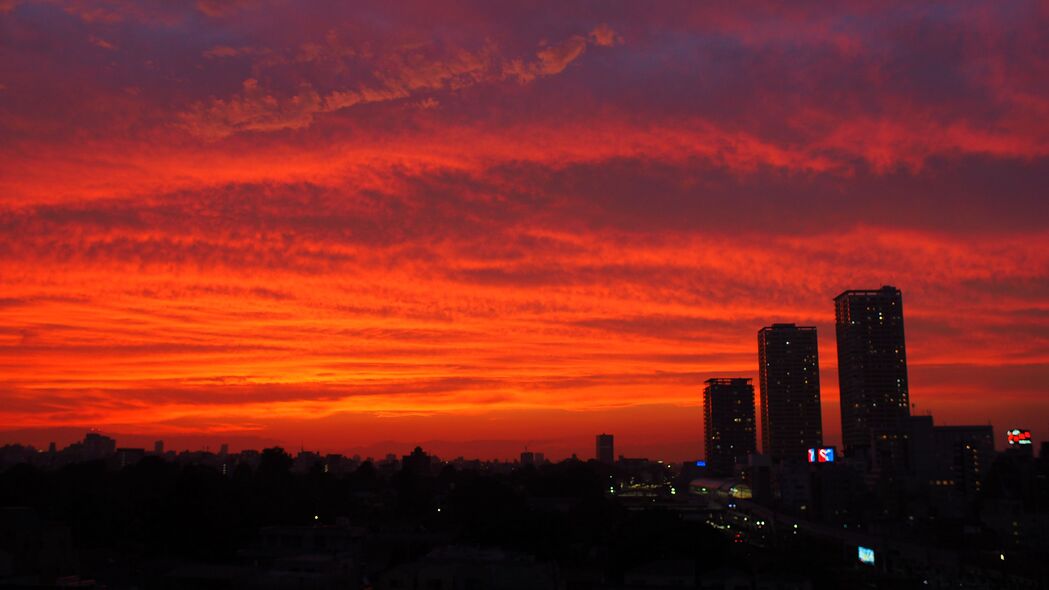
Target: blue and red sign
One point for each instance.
(821, 455)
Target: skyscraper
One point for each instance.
(789, 381)
(728, 420)
(605, 449)
(872, 366)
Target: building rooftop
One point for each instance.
(728, 380)
(882, 290)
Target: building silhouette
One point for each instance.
(728, 420)
(98, 446)
(872, 369)
(789, 381)
(953, 462)
(605, 449)
(417, 463)
(129, 456)
(965, 453)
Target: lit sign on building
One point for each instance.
(865, 554)
(821, 455)
(1018, 437)
(701, 463)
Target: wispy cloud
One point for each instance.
(400, 76)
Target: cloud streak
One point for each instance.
(401, 76)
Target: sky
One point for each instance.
(481, 226)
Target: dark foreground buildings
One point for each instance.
(951, 462)
(872, 368)
(728, 420)
(789, 381)
(911, 504)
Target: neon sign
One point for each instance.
(1018, 437)
(821, 455)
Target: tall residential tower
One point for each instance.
(872, 366)
(728, 420)
(605, 451)
(789, 380)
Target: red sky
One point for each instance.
(479, 227)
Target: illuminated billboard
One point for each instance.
(821, 455)
(865, 555)
(1017, 436)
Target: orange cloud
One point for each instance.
(99, 42)
(553, 59)
(401, 76)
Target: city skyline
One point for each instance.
(491, 227)
(770, 338)
(556, 295)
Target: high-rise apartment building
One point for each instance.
(872, 367)
(605, 449)
(789, 382)
(728, 420)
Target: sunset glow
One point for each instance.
(478, 227)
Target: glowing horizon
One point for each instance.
(485, 226)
